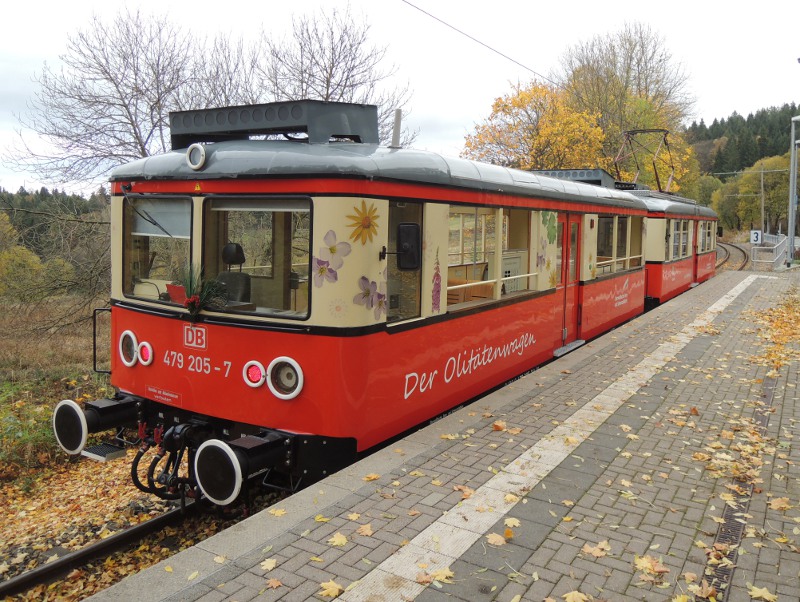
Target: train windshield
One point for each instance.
(259, 250)
(157, 244)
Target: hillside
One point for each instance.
(734, 143)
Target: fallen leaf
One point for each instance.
(443, 575)
(321, 519)
(273, 583)
(331, 589)
(371, 477)
(761, 593)
(598, 551)
(466, 492)
(499, 425)
(511, 498)
(575, 596)
(365, 530)
(193, 576)
(338, 540)
(511, 522)
(219, 559)
(353, 516)
(269, 564)
(277, 511)
(496, 539)
(779, 503)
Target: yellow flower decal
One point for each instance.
(364, 223)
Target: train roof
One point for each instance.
(669, 204)
(276, 158)
(666, 203)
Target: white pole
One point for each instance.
(792, 193)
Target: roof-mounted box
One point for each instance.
(320, 120)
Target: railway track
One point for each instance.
(733, 252)
(197, 520)
(52, 571)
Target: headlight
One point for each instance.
(128, 348)
(285, 378)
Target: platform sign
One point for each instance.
(755, 237)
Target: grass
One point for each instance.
(37, 370)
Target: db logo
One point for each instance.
(195, 336)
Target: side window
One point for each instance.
(517, 273)
(605, 244)
(258, 251)
(471, 250)
(156, 245)
(619, 243)
(676, 239)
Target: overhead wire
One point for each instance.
(477, 41)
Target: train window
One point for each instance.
(706, 236)
(560, 254)
(515, 263)
(605, 244)
(685, 238)
(619, 243)
(635, 255)
(475, 271)
(622, 244)
(259, 250)
(573, 252)
(676, 239)
(472, 241)
(156, 244)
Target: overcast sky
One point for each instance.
(741, 58)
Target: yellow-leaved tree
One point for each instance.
(533, 128)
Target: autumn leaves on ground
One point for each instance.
(52, 506)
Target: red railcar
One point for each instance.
(280, 306)
(681, 249)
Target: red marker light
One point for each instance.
(254, 373)
(145, 353)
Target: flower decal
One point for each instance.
(372, 296)
(334, 252)
(366, 296)
(436, 295)
(364, 223)
(323, 271)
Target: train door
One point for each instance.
(569, 236)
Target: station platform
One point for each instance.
(653, 462)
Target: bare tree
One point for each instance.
(330, 58)
(227, 74)
(108, 103)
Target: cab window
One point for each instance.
(156, 245)
(258, 251)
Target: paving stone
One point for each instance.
(664, 516)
